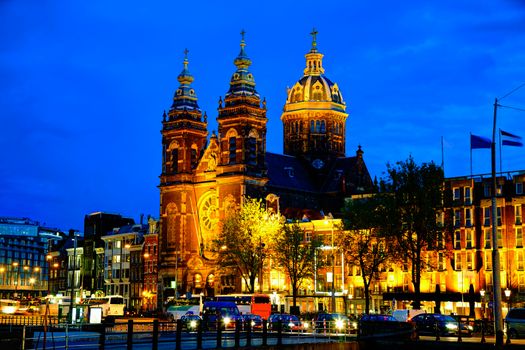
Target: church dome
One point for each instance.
(314, 86)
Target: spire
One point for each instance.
(314, 59)
(185, 97)
(242, 82)
(242, 61)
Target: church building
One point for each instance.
(205, 176)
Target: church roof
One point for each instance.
(288, 172)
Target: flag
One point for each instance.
(508, 139)
(479, 142)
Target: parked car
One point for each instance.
(433, 323)
(333, 323)
(190, 322)
(515, 322)
(225, 312)
(289, 323)
(255, 321)
(385, 327)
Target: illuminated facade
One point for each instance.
(460, 269)
(203, 178)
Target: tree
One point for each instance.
(295, 255)
(366, 243)
(417, 200)
(241, 244)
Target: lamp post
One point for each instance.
(49, 259)
(329, 219)
(507, 295)
(16, 267)
(72, 302)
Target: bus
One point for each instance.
(9, 306)
(111, 305)
(257, 304)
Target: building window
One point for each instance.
(488, 261)
(521, 282)
(519, 260)
(458, 261)
(488, 281)
(174, 160)
(486, 190)
(517, 214)
(470, 264)
(500, 238)
(486, 216)
(519, 237)
(469, 238)
(457, 218)
(194, 159)
(233, 150)
(251, 151)
(468, 218)
(457, 239)
(441, 261)
(498, 216)
(468, 199)
(456, 193)
(519, 187)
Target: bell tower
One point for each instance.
(242, 123)
(184, 139)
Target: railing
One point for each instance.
(176, 335)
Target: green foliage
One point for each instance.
(242, 244)
(295, 255)
(366, 242)
(416, 193)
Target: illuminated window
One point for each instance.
(488, 261)
(457, 239)
(517, 214)
(470, 261)
(519, 237)
(500, 238)
(457, 218)
(441, 261)
(458, 261)
(468, 200)
(519, 260)
(456, 193)
(469, 238)
(521, 282)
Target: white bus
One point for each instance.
(111, 305)
(9, 306)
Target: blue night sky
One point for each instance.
(83, 86)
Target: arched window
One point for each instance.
(194, 159)
(318, 126)
(233, 150)
(312, 126)
(251, 150)
(323, 127)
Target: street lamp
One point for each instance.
(327, 218)
(16, 268)
(507, 295)
(482, 294)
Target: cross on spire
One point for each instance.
(314, 38)
(242, 34)
(186, 51)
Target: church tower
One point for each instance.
(314, 115)
(184, 138)
(242, 130)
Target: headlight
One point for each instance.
(226, 320)
(193, 324)
(354, 325)
(451, 326)
(339, 324)
(306, 325)
(290, 324)
(253, 323)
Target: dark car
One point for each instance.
(190, 322)
(515, 323)
(289, 323)
(434, 323)
(333, 323)
(384, 326)
(252, 320)
(224, 312)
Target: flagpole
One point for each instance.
(470, 155)
(498, 317)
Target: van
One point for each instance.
(515, 322)
(404, 315)
(226, 311)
